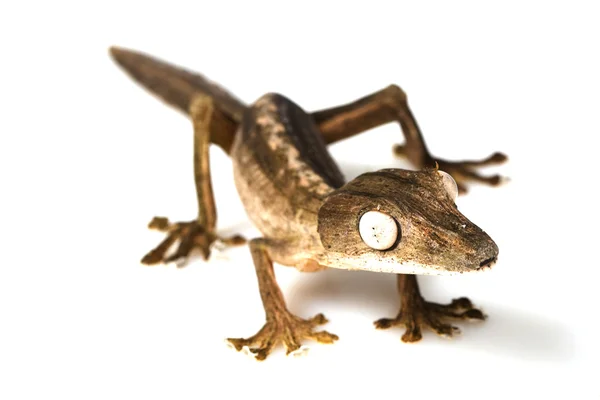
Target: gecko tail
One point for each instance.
(175, 85)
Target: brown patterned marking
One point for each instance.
(286, 138)
(284, 173)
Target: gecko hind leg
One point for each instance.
(281, 326)
(417, 313)
(209, 124)
(391, 105)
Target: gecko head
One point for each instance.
(402, 221)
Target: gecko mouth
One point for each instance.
(486, 265)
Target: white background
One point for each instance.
(87, 158)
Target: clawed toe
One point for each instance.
(288, 330)
(318, 319)
(464, 171)
(384, 323)
(432, 316)
(493, 159)
(189, 235)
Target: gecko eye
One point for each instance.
(378, 230)
(449, 184)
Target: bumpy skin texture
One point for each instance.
(434, 234)
(296, 195)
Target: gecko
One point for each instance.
(395, 221)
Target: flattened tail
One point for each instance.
(173, 84)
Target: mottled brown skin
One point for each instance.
(308, 215)
(433, 232)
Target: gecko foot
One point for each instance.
(434, 316)
(465, 171)
(190, 235)
(285, 328)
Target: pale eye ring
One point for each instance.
(449, 184)
(378, 230)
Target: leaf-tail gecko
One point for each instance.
(392, 220)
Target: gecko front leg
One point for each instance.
(200, 233)
(417, 313)
(391, 105)
(281, 326)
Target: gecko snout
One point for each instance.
(489, 256)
